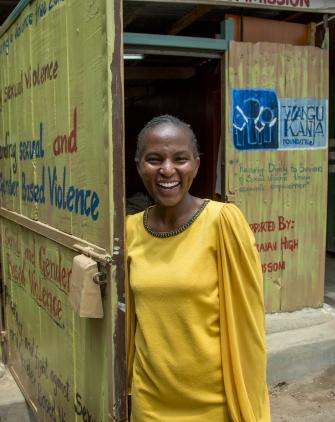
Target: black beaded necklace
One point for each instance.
(176, 231)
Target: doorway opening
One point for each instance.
(183, 86)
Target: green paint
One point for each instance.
(60, 359)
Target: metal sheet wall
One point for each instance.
(276, 163)
(56, 63)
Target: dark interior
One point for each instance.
(195, 99)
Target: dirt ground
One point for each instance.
(309, 399)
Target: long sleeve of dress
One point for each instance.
(242, 319)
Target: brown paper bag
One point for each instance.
(85, 295)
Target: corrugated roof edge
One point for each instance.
(13, 16)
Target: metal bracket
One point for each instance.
(88, 251)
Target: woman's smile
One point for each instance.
(168, 185)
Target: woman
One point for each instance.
(196, 342)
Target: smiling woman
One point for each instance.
(168, 161)
(191, 265)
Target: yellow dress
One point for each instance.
(196, 342)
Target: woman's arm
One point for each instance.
(242, 319)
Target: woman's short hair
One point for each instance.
(165, 119)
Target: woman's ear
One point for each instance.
(197, 165)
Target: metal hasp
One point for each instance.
(177, 45)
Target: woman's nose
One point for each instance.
(167, 168)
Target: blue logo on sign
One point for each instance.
(255, 119)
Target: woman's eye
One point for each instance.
(153, 160)
(181, 159)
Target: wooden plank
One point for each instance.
(282, 190)
(71, 242)
(116, 350)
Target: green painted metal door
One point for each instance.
(61, 194)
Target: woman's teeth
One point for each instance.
(168, 185)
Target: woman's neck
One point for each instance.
(170, 218)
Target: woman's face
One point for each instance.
(167, 165)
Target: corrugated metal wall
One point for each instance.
(276, 163)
